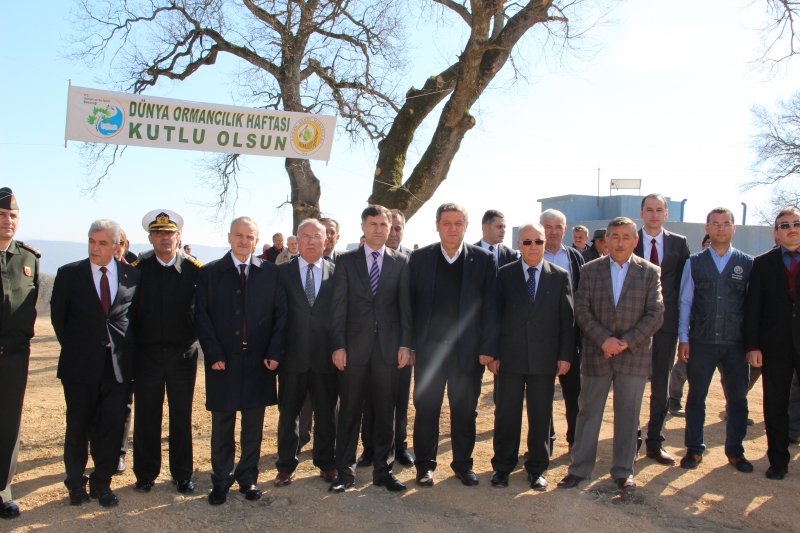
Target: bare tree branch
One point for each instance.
(776, 143)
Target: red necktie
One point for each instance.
(654, 253)
(105, 293)
(243, 278)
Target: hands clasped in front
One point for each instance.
(614, 346)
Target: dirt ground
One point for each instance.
(715, 497)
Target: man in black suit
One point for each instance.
(669, 251)
(580, 238)
(332, 232)
(454, 294)
(272, 253)
(598, 247)
(371, 333)
(772, 333)
(307, 369)
(401, 454)
(568, 258)
(92, 308)
(166, 353)
(537, 344)
(240, 319)
(493, 226)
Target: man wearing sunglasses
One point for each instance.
(772, 333)
(537, 344)
(619, 307)
(711, 320)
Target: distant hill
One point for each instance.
(57, 253)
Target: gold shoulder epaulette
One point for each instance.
(30, 248)
(136, 262)
(194, 261)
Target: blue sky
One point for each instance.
(666, 100)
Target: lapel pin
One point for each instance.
(125, 275)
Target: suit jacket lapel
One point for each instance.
(522, 287)
(607, 283)
(631, 278)
(361, 268)
(639, 250)
(326, 277)
(122, 283)
(298, 279)
(87, 277)
(544, 283)
(780, 272)
(386, 269)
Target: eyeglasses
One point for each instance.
(310, 238)
(788, 225)
(724, 225)
(528, 242)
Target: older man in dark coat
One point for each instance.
(240, 315)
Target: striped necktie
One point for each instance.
(374, 273)
(310, 292)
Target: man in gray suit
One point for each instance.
(669, 251)
(401, 454)
(371, 333)
(537, 344)
(619, 307)
(307, 369)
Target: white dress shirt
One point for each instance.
(485, 245)
(246, 264)
(648, 245)
(525, 267)
(453, 259)
(171, 262)
(561, 258)
(317, 270)
(618, 275)
(113, 279)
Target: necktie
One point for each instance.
(491, 248)
(105, 292)
(532, 283)
(654, 253)
(243, 279)
(310, 293)
(793, 261)
(374, 273)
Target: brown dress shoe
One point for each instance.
(283, 479)
(626, 483)
(660, 456)
(329, 475)
(570, 481)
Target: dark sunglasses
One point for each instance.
(528, 242)
(787, 225)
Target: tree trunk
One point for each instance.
(305, 191)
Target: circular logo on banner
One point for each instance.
(106, 119)
(307, 136)
(738, 270)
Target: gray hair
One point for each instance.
(553, 213)
(444, 208)
(531, 225)
(311, 221)
(621, 221)
(244, 220)
(105, 224)
(291, 237)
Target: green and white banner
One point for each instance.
(110, 117)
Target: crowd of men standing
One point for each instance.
(339, 338)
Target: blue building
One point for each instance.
(583, 207)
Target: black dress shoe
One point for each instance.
(570, 481)
(538, 482)
(9, 509)
(391, 483)
(104, 496)
(364, 460)
(499, 479)
(691, 460)
(425, 478)
(121, 468)
(144, 485)
(341, 485)
(741, 464)
(250, 492)
(773, 472)
(218, 495)
(404, 458)
(467, 478)
(185, 486)
(78, 496)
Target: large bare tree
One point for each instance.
(493, 29)
(334, 56)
